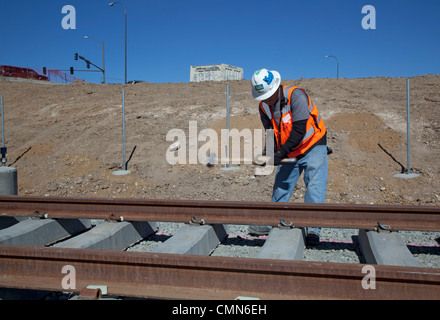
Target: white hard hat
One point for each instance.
(265, 83)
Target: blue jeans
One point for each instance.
(314, 165)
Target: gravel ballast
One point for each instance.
(336, 245)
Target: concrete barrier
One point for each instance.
(286, 244)
(8, 181)
(41, 232)
(193, 239)
(385, 248)
(111, 236)
(6, 222)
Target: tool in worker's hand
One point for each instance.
(289, 160)
(263, 160)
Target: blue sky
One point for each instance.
(166, 37)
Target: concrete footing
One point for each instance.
(286, 244)
(111, 236)
(8, 181)
(36, 232)
(385, 248)
(193, 239)
(6, 222)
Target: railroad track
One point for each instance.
(90, 260)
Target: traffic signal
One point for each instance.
(71, 70)
(88, 65)
(44, 70)
(76, 56)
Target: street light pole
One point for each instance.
(125, 12)
(103, 58)
(337, 67)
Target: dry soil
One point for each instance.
(66, 139)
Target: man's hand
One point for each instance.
(263, 160)
(278, 157)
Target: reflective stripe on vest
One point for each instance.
(267, 110)
(315, 128)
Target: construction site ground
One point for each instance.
(66, 139)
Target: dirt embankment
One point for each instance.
(74, 133)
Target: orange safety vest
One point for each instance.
(315, 128)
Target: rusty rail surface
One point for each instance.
(153, 275)
(417, 218)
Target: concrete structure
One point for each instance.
(193, 239)
(8, 181)
(217, 72)
(285, 244)
(41, 232)
(385, 248)
(111, 235)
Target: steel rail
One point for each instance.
(420, 218)
(417, 218)
(164, 276)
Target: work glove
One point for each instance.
(277, 158)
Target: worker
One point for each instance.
(300, 135)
